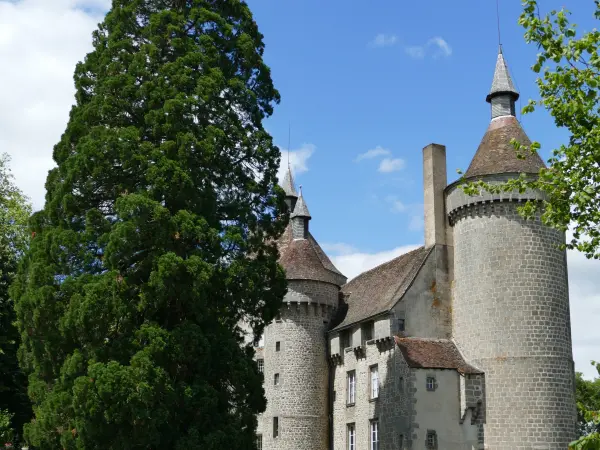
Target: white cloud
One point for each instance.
(413, 211)
(439, 48)
(355, 263)
(443, 46)
(373, 153)
(298, 160)
(37, 83)
(388, 165)
(384, 40)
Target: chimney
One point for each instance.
(434, 183)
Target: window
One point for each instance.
(259, 442)
(431, 440)
(275, 427)
(276, 380)
(400, 442)
(401, 324)
(431, 383)
(345, 339)
(367, 332)
(401, 384)
(351, 437)
(374, 435)
(277, 346)
(261, 365)
(374, 382)
(351, 388)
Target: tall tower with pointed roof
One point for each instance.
(510, 301)
(296, 368)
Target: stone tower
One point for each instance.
(296, 370)
(511, 302)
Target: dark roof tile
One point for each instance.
(425, 353)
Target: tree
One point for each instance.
(15, 408)
(569, 89)
(588, 412)
(157, 238)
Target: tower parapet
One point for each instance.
(511, 302)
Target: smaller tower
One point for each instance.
(300, 218)
(503, 94)
(290, 190)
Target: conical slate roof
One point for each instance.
(301, 210)
(288, 184)
(502, 83)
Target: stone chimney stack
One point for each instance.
(434, 183)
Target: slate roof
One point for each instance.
(304, 259)
(497, 155)
(425, 353)
(377, 290)
(301, 210)
(502, 82)
(288, 184)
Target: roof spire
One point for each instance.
(301, 210)
(288, 184)
(503, 93)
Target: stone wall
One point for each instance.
(300, 400)
(511, 320)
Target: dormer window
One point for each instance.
(345, 339)
(367, 331)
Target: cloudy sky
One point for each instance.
(364, 88)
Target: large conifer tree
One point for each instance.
(155, 238)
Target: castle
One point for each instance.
(464, 343)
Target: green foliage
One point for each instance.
(588, 412)
(157, 238)
(569, 89)
(15, 408)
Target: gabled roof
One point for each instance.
(423, 353)
(304, 259)
(377, 290)
(497, 155)
(502, 82)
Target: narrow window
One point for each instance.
(401, 324)
(259, 442)
(276, 380)
(374, 435)
(351, 388)
(401, 442)
(345, 339)
(431, 383)
(367, 332)
(334, 396)
(277, 346)
(261, 365)
(351, 437)
(401, 385)
(374, 382)
(275, 427)
(431, 441)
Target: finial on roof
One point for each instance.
(301, 210)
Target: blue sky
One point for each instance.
(346, 91)
(353, 77)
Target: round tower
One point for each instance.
(296, 370)
(511, 302)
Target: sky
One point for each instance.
(364, 87)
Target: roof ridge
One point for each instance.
(366, 272)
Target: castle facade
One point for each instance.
(464, 343)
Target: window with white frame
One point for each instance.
(351, 436)
(276, 380)
(374, 382)
(351, 397)
(261, 365)
(430, 383)
(374, 435)
(259, 442)
(431, 440)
